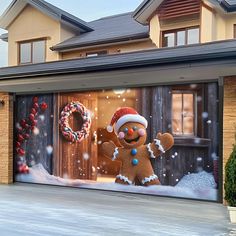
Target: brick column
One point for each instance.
(6, 139)
(229, 123)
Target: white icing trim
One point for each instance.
(124, 178)
(158, 143)
(115, 154)
(130, 118)
(149, 179)
(151, 153)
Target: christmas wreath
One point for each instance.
(67, 132)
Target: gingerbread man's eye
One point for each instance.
(126, 130)
(135, 128)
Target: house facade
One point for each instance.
(172, 61)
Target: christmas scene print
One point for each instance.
(159, 140)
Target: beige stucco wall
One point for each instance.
(121, 48)
(207, 31)
(32, 24)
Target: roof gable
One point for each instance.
(148, 7)
(65, 18)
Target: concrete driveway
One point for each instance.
(38, 210)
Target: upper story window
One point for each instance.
(32, 52)
(183, 113)
(180, 37)
(95, 54)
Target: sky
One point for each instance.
(87, 10)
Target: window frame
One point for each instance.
(195, 111)
(175, 31)
(99, 53)
(31, 46)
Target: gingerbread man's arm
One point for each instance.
(111, 151)
(161, 144)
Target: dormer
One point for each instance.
(34, 26)
(176, 22)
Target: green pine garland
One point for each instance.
(230, 179)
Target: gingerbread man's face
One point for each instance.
(132, 135)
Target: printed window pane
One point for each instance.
(193, 36)
(169, 40)
(181, 36)
(177, 113)
(183, 116)
(38, 51)
(188, 114)
(25, 53)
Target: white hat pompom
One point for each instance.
(110, 128)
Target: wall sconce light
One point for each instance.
(2, 102)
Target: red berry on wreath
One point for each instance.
(33, 111)
(26, 169)
(36, 106)
(44, 106)
(20, 138)
(35, 99)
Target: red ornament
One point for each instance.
(23, 123)
(33, 111)
(34, 122)
(18, 144)
(23, 169)
(36, 106)
(31, 117)
(19, 129)
(35, 99)
(21, 152)
(27, 126)
(44, 106)
(26, 136)
(20, 138)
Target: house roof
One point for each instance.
(56, 13)
(111, 29)
(148, 7)
(155, 57)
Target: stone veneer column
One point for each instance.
(6, 139)
(229, 116)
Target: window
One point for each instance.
(234, 31)
(95, 54)
(180, 37)
(183, 113)
(32, 52)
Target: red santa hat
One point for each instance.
(124, 115)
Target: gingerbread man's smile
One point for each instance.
(132, 141)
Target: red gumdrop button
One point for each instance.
(33, 111)
(44, 106)
(130, 132)
(20, 138)
(35, 99)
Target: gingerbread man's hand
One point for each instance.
(164, 141)
(110, 150)
(160, 145)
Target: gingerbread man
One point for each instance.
(135, 156)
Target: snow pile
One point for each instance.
(196, 186)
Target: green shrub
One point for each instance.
(230, 179)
